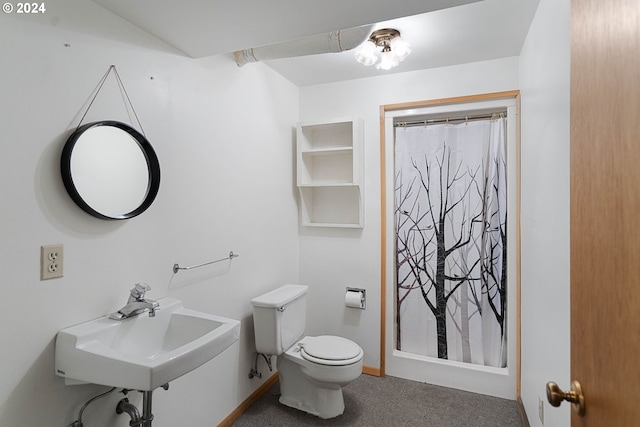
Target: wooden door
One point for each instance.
(605, 210)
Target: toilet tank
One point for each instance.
(279, 318)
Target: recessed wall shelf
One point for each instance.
(329, 173)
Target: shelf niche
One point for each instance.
(329, 173)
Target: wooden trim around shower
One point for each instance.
(383, 211)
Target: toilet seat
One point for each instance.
(330, 350)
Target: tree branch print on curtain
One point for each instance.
(450, 220)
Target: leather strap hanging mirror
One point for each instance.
(109, 169)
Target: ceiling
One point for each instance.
(441, 32)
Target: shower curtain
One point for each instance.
(450, 225)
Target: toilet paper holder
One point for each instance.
(362, 298)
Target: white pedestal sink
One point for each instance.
(142, 353)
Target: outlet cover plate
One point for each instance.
(51, 261)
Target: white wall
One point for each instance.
(544, 84)
(224, 137)
(331, 259)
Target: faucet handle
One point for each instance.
(139, 290)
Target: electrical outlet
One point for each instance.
(51, 261)
(541, 409)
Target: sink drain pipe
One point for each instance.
(137, 420)
(125, 407)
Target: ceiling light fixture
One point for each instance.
(385, 44)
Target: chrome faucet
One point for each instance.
(137, 304)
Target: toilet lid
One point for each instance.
(328, 347)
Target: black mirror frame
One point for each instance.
(153, 167)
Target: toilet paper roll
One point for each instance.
(353, 299)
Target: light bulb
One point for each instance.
(367, 53)
(387, 61)
(401, 48)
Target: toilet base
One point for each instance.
(300, 392)
(326, 403)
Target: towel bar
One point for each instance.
(177, 268)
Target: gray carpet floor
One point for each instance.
(391, 402)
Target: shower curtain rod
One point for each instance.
(449, 119)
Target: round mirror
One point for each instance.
(110, 170)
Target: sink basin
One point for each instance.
(142, 353)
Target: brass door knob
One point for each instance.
(555, 396)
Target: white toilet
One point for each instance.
(312, 369)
